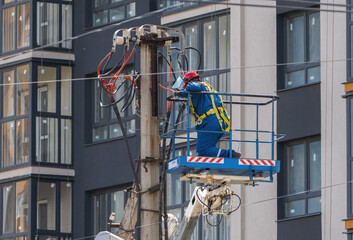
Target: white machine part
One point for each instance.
(105, 235)
(207, 200)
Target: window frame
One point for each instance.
(15, 4)
(55, 115)
(16, 117)
(109, 192)
(55, 233)
(306, 193)
(29, 230)
(205, 75)
(289, 67)
(60, 25)
(110, 6)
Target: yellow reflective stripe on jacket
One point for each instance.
(218, 111)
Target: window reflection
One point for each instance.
(66, 134)
(47, 140)
(8, 93)
(22, 141)
(296, 169)
(46, 205)
(22, 206)
(65, 207)
(47, 23)
(46, 89)
(8, 144)
(22, 93)
(295, 39)
(8, 32)
(8, 207)
(209, 31)
(66, 25)
(23, 25)
(66, 90)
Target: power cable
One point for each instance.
(160, 11)
(200, 70)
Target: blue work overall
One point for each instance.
(202, 104)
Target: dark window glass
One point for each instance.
(117, 14)
(46, 205)
(46, 90)
(47, 140)
(8, 207)
(301, 56)
(108, 11)
(47, 23)
(295, 39)
(314, 36)
(191, 35)
(65, 207)
(315, 165)
(100, 212)
(66, 19)
(209, 50)
(223, 52)
(296, 173)
(302, 192)
(66, 135)
(295, 208)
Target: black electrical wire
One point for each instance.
(237, 206)
(214, 225)
(186, 61)
(199, 53)
(165, 58)
(131, 92)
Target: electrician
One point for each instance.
(208, 114)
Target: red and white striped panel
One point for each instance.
(257, 162)
(205, 160)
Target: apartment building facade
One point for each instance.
(63, 161)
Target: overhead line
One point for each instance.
(167, 72)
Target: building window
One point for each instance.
(211, 36)
(53, 20)
(54, 114)
(54, 215)
(302, 185)
(106, 202)
(302, 50)
(178, 197)
(15, 205)
(15, 25)
(15, 121)
(105, 124)
(108, 11)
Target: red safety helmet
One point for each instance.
(190, 76)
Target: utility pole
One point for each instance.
(150, 170)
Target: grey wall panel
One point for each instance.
(298, 112)
(308, 228)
